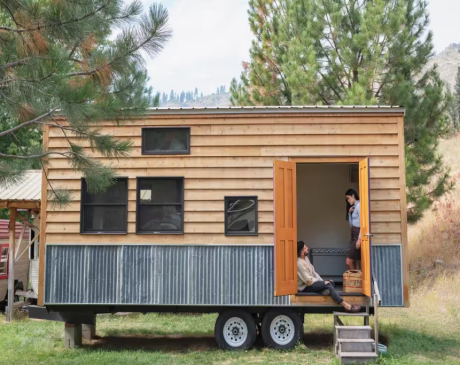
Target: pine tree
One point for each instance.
(182, 97)
(172, 96)
(354, 52)
(56, 59)
(455, 108)
(164, 99)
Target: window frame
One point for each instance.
(256, 222)
(2, 246)
(83, 204)
(138, 204)
(166, 152)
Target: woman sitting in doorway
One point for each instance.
(354, 218)
(310, 282)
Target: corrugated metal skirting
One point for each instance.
(160, 275)
(387, 268)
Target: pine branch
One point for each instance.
(60, 24)
(36, 120)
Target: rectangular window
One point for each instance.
(160, 205)
(241, 216)
(4, 261)
(105, 212)
(166, 141)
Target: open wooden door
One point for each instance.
(285, 207)
(365, 226)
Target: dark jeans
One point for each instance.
(319, 286)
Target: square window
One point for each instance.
(166, 141)
(105, 212)
(241, 216)
(160, 205)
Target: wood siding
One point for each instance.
(233, 155)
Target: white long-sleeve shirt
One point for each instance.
(355, 217)
(306, 274)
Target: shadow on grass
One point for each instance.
(179, 343)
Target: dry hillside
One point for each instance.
(448, 62)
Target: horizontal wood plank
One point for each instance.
(381, 183)
(386, 238)
(133, 239)
(293, 140)
(198, 217)
(190, 184)
(173, 162)
(189, 206)
(385, 206)
(257, 129)
(208, 120)
(202, 173)
(222, 184)
(386, 228)
(321, 151)
(189, 227)
(384, 172)
(385, 216)
(389, 194)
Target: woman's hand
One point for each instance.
(358, 244)
(351, 210)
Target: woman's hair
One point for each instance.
(351, 192)
(300, 246)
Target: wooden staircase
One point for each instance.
(353, 344)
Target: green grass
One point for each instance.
(412, 336)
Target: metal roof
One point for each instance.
(4, 231)
(307, 109)
(29, 189)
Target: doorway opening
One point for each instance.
(322, 217)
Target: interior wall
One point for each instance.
(321, 217)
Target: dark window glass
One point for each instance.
(166, 140)
(160, 218)
(105, 212)
(105, 218)
(115, 194)
(241, 216)
(160, 205)
(160, 191)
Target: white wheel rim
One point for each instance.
(282, 330)
(235, 332)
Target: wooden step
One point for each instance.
(353, 332)
(351, 340)
(355, 345)
(356, 357)
(346, 314)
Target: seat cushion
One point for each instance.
(342, 294)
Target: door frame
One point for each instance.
(348, 159)
(334, 159)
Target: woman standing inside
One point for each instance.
(354, 218)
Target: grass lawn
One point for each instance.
(426, 333)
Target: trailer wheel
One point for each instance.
(235, 330)
(281, 329)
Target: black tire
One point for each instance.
(287, 329)
(240, 330)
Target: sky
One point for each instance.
(211, 38)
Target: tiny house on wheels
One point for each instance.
(207, 211)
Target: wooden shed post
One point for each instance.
(12, 233)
